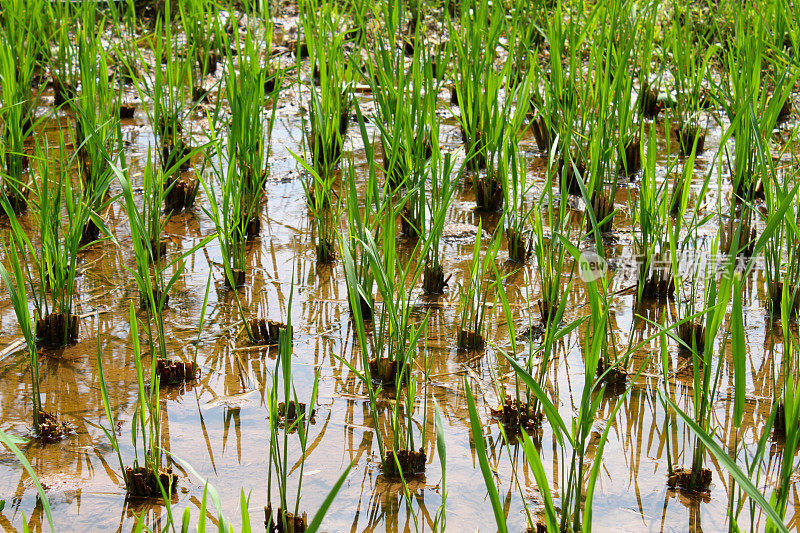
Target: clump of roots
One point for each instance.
(603, 207)
(289, 412)
(488, 191)
(649, 105)
(143, 482)
(658, 282)
(519, 245)
(686, 479)
(569, 177)
(686, 135)
(614, 376)
(238, 276)
(174, 372)
(516, 415)
(50, 429)
(284, 521)
(433, 281)
(776, 298)
(263, 331)
(57, 329)
(389, 372)
(472, 340)
(631, 160)
(410, 463)
(180, 194)
(693, 335)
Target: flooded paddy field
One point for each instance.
(547, 254)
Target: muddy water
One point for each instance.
(218, 424)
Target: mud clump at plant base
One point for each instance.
(284, 521)
(681, 479)
(141, 482)
(172, 372)
(57, 329)
(515, 415)
(411, 463)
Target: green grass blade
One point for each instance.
(480, 448)
(8, 441)
(738, 350)
(320, 514)
(730, 466)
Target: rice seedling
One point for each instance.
(689, 75)
(578, 485)
(360, 225)
(550, 256)
(325, 208)
(291, 416)
(389, 359)
(522, 410)
(517, 213)
(45, 425)
(472, 296)
(477, 89)
(331, 101)
(16, 70)
(442, 188)
(150, 272)
(405, 103)
(201, 22)
(55, 258)
(247, 146)
(655, 279)
(145, 477)
(96, 110)
(64, 71)
(752, 111)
